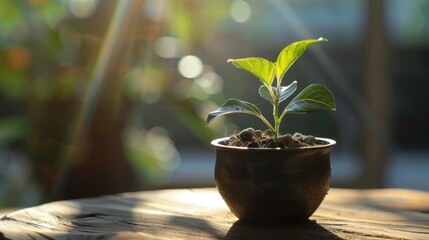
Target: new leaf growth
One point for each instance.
(315, 97)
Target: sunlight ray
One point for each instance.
(86, 110)
(337, 78)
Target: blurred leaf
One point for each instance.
(13, 83)
(66, 84)
(53, 12)
(10, 14)
(195, 124)
(151, 153)
(182, 22)
(42, 88)
(313, 98)
(194, 21)
(12, 129)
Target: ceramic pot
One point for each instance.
(273, 186)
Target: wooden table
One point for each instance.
(202, 214)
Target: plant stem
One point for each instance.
(267, 123)
(277, 120)
(277, 127)
(282, 116)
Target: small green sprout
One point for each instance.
(315, 97)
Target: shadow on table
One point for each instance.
(195, 226)
(305, 230)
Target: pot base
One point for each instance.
(271, 212)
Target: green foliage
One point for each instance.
(313, 98)
(236, 106)
(291, 53)
(12, 129)
(284, 92)
(260, 67)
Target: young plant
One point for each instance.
(313, 98)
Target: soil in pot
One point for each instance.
(264, 139)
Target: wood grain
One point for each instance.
(202, 214)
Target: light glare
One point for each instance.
(167, 47)
(240, 11)
(210, 82)
(190, 66)
(156, 10)
(82, 8)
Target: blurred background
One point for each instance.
(100, 97)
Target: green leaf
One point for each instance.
(313, 98)
(260, 67)
(265, 94)
(285, 92)
(291, 53)
(234, 106)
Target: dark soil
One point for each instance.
(264, 139)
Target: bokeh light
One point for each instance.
(82, 8)
(190, 66)
(18, 57)
(207, 84)
(151, 152)
(167, 47)
(210, 82)
(240, 11)
(156, 10)
(143, 83)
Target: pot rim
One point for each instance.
(329, 144)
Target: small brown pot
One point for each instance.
(273, 186)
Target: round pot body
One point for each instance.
(273, 186)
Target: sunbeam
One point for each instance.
(334, 74)
(86, 110)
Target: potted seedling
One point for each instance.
(263, 176)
